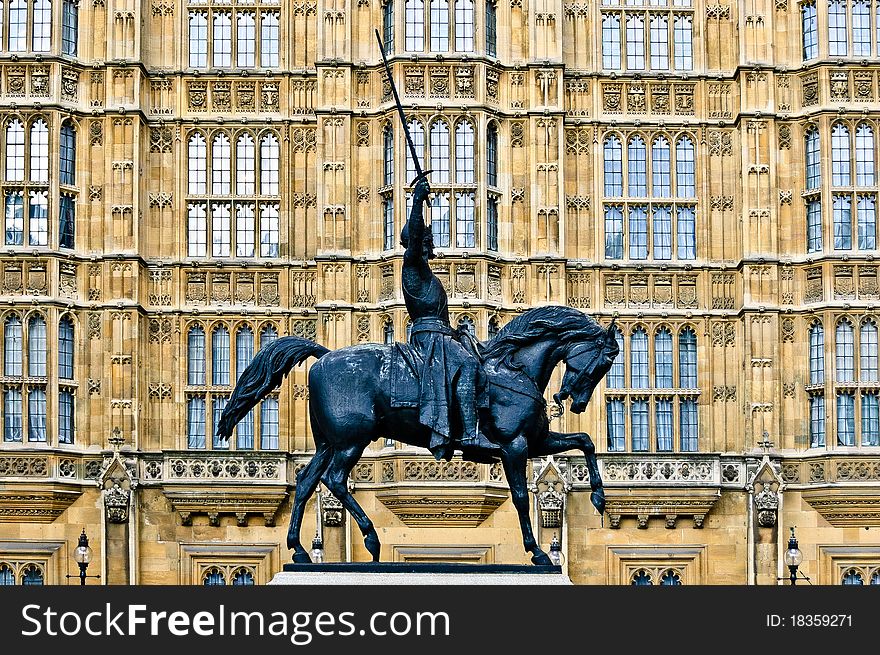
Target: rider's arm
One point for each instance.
(415, 226)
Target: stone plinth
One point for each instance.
(407, 573)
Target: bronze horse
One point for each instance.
(350, 406)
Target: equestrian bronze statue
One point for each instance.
(350, 405)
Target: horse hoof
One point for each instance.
(598, 500)
(541, 559)
(302, 558)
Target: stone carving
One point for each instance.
(362, 134)
(414, 82)
(434, 471)
(269, 289)
(245, 94)
(720, 143)
(839, 86)
(161, 138)
(224, 468)
(24, 467)
(863, 86)
(332, 510)
(269, 96)
(464, 81)
(810, 89)
(611, 98)
(15, 85)
(784, 137)
(659, 470)
(96, 133)
(439, 77)
(766, 505)
(69, 84)
(517, 134)
(40, 81)
(197, 92)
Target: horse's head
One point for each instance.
(586, 363)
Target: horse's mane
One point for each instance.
(535, 324)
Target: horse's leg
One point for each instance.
(558, 442)
(306, 482)
(335, 480)
(513, 457)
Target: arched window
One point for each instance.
(15, 151)
(220, 356)
(466, 323)
(65, 348)
(610, 42)
(616, 374)
(242, 577)
(38, 229)
(686, 224)
(837, 34)
(814, 226)
(12, 347)
(269, 424)
(222, 39)
(491, 28)
(639, 359)
(684, 42)
(417, 133)
(867, 222)
(852, 577)
(685, 183)
(198, 40)
(670, 578)
(414, 36)
(267, 335)
(14, 233)
(221, 166)
(637, 167)
(269, 39)
(846, 418)
(659, 26)
(388, 26)
(817, 421)
(464, 153)
(269, 165)
(37, 415)
(7, 576)
(660, 168)
(440, 220)
(39, 151)
(221, 229)
(198, 165)
(68, 154)
(245, 165)
(465, 223)
(868, 352)
(388, 150)
(811, 149)
(197, 231)
(639, 423)
(492, 223)
(817, 354)
(865, 171)
(246, 40)
(663, 359)
(840, 156)
(70, 28)
(861, 29)
(37, 347)
(42, 25)
(196, 356)
(687, 359)
(614, 232)
(244, 350)
(214, 578)
(493, 329)
(492, 152)
(664, 424)
(18, 24)
(662, 229)
(269, 230)
(843, 345)
(195, 422)
(388, 333)
(641, 578)
(32, 575)
(613, 157)
(440, 152)
(439, 26)
(464, 25)
(810, 26)
(870, 419)
(635, 42)
(388, 223)
(638, 232)
(245, 225)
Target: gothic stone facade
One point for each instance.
(184, 178)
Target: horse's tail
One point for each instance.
(265, 373)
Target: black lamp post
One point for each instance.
(83, 556)
(793, 557)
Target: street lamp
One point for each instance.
(793, 557)
(317, 550)
(83, 556)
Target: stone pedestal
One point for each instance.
(403, 573)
